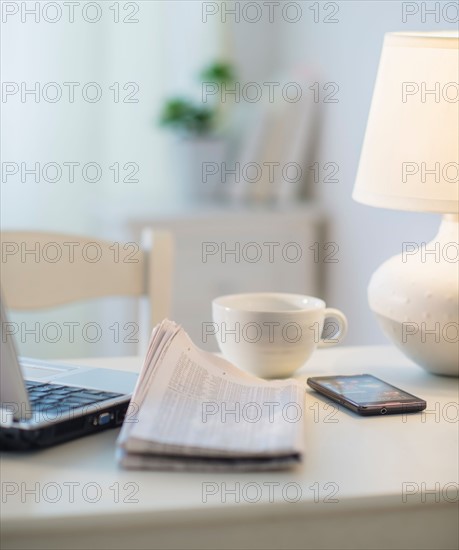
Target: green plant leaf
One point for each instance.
(219, 72)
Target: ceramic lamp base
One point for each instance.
(415, 298)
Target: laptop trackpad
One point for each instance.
(102, 379)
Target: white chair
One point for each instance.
(41, 270)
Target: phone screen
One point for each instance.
(366, 392)
(365, 388)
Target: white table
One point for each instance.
(364, 461)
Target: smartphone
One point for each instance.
(366, 395)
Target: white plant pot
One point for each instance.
(198, 168)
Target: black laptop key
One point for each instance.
(48, 407)
(37, 395)
(55, 398)
(108, 395)
(89, 396)
(45, 388)
(41, 407)
(49, 387)
(54, 408)
(63, 393)
(80, 401)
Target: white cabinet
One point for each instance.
(228, 250)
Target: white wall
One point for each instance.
(46, 132)
(162, 53)
(348, 53)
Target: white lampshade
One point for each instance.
(410, 154)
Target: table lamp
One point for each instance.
(410, 161)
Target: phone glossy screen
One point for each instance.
(364, 388)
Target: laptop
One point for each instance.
(43, 403)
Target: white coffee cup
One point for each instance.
(271, 334)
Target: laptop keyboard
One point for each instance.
(48, 397)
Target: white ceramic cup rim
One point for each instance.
(301, 303)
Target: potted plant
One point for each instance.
(201, 142)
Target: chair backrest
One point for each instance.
(40, 270)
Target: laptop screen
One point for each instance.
(13, 393)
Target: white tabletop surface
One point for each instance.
(363, 461)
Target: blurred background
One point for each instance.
(232, 124)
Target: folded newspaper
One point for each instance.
(193, 410)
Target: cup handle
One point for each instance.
(331, 313)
